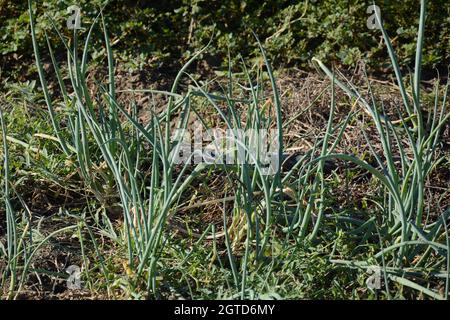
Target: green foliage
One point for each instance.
(294, 31)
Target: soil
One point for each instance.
(298, 89)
